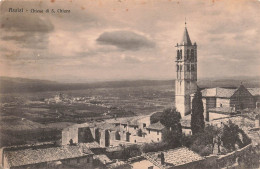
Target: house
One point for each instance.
(154, 132)
(46, 157)
(175, 159)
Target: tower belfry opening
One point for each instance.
(186, 73)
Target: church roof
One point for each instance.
(254, 91)
(186, 38)
(218, 92)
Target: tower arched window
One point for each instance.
(188, 68)
(180, 54)
(180, 68)
(188, 54)
(192, 55)
(192, 67)
(177, 68)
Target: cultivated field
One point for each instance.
(40, 116)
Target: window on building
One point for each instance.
(180, 67)
(177, 68)
(192, 54)
(149, 131)
(158, 139)
(144, 125)
(180, 54)
(188, 54)
(188, 68)
(157, 132)
(192, 67)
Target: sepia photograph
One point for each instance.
(129, 84)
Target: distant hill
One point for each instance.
(231, 82)
(16, 85)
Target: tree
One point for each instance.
(233, 135)
(203, 142)
(172, 133)
(170, 118)
(197, 117)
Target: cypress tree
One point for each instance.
(197, 117)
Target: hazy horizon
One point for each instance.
(140, 79)
(128, 39)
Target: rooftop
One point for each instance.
(90, 145)
(102, 158)
(218, 92)
(186, 38)
(34, 156)
(254, 91)
(156, 126)
(223, 110)
(173, 157)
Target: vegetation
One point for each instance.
(170, 118)
(131, 151)
(197, 117)
(151, 147)
(234, 136)
(225, 139)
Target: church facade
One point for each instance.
(186, 73)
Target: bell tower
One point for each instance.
(186, 73)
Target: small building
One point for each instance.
(51, 157)
(154, 132)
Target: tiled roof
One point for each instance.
(156, 126)
(33, 156)
(90, 145)
(173, 157)
(222, 109)
(254, 91)
(76, 126)
(108, 126)
(102, 158)
(218, 92)
(118, 164)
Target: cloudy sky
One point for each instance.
(127, 39)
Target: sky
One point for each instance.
(101, 40)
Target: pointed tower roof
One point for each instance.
(186, 37)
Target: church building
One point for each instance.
(186, 69)
(215, 100)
